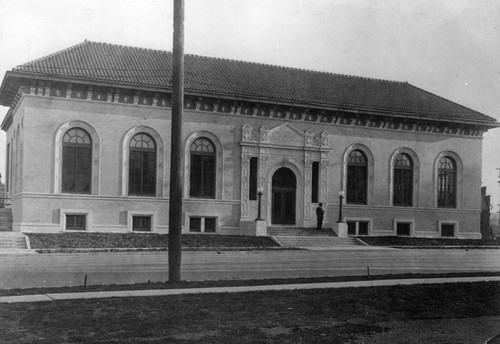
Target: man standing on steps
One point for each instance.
(319, 215)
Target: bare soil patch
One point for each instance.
(428, 242)
(144, 240)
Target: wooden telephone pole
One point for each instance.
(176, 182)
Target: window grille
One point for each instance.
(202, 169)
(447, 180)
(76, 166)
(76, 222)
(142, 165)
(403, 181)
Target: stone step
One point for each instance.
(10, 240)
(315, 241)
(293, 231)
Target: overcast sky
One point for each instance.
(450, 48)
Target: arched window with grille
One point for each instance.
(142, 165)
(357, 177)
(202, 175)
(77, 162)
(403, 181)
(447, 182)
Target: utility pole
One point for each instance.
(498, 181)
(498, 170)
(176, 182)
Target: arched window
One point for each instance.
(202, 170)
(357, 177)
(403, 181)
(77, 158)
(142, 165)
(447, 182)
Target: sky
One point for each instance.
(447, 47)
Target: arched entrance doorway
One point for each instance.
(284, 194)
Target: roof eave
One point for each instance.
(54, 78)
(345, 108)
(3, 88)
(7, 121)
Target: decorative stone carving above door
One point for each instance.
(285, 135)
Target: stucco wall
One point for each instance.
(40, 201)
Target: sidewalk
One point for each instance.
(16, 251)
(240, 289)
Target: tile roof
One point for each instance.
(153, 68)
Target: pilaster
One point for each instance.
(245, 179)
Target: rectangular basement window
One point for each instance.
(210, 224)
(357, 227)
(76, 222)
(351, 228)
(141, 223)
(448, 230)
(202, 224)
(195, 224)
(363, 227)
(403, 229)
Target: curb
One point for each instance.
(493, 340)
(239, 289)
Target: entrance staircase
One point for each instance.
(8, 238)
(12, 240)
(310, 238)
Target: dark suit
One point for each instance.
(319, 216)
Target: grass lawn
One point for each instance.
(429, 242)
(355, 315)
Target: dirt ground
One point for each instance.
(442, 331)
(456, 331)
(453, 313)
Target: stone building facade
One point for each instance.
(88, 147)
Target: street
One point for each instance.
(70, 269)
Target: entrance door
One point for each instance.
(284, 195)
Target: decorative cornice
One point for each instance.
(254, 109)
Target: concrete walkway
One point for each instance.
(240, 289)
(16, 251)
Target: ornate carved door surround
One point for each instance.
(283, 146)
